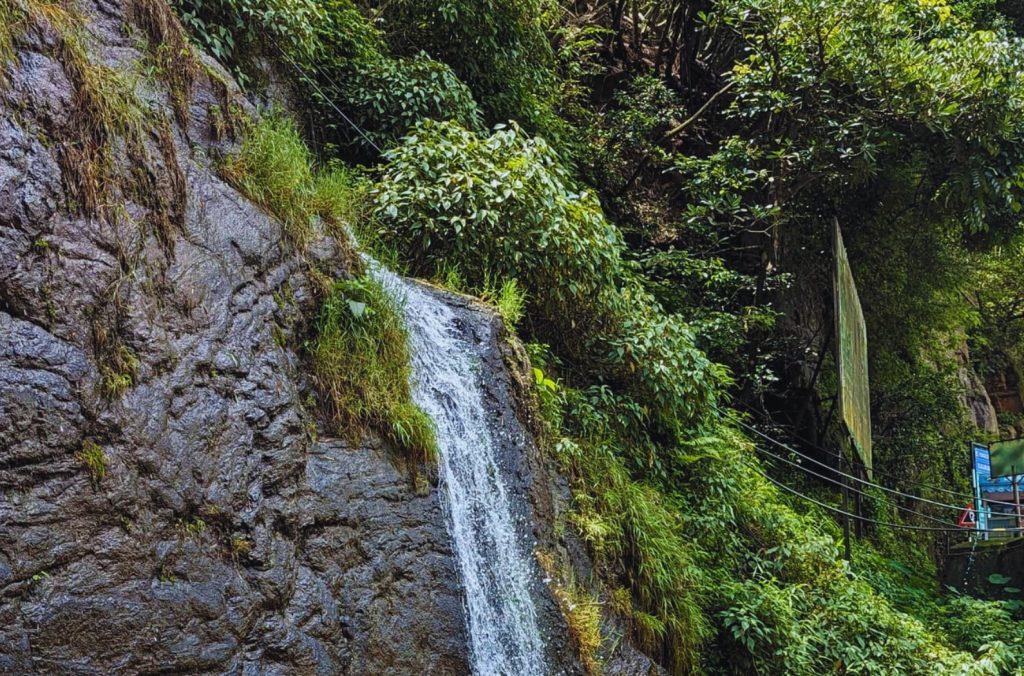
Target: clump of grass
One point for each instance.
(582, 613)
(450, 277)
(192, 528)
(509, 299)
(95, 460)
(105, 108)
(11, 18)
(240, 547)
(119, 371)
(339, 196)
(361, 364)
(169, 50)
(274, 168)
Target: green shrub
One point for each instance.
(388, 97)
(497, 47)
(504, 207)
(360, 362)
(304, 30)
(499, 205)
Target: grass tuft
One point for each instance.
(582, 613)
(119, 371)
(274, 168)
(105, 108)
(192, 528)
(361, 364)
(95, 460)
(12, 21)
(169, 50)
(509, 299)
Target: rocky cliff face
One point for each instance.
(975, 397)
(168, 502)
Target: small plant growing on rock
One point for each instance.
(192, 528)
(508, 298)
(119, 374)
(240, 546)
(94, 459)
(582, 613)
(361, 365)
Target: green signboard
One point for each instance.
(852, 355)
(1007, 457)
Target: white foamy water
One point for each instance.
(495, 566)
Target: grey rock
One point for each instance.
(222, 538)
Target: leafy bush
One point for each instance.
(497, 47)
(304, 30)
(339, 60)
(503, 207)
(498, 205)
(388, 97)
(360, 361)
(973, 624)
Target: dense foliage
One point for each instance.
(655, 198)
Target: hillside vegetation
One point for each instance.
(647, 189)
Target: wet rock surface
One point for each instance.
(215, 534)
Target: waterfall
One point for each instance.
(494, 564)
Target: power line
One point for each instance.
(875, 471)
(851, 488)
(850, 476)
(865, 519)
(323, 96)
(987, 501)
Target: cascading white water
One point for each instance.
(496, 571)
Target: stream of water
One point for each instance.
(494, 564)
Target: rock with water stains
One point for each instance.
(163, 503)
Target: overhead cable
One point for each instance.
(323, 96)
(853, 489)
(865, 519)
(891, 475)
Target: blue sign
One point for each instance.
(984, 484)
(982, 467)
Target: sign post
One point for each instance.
(854, 395)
